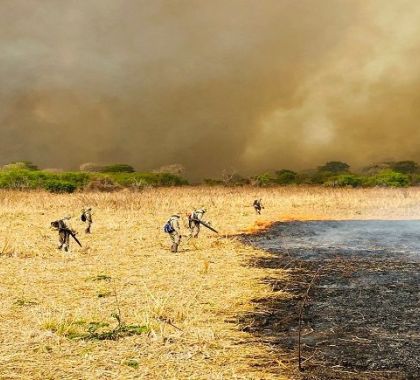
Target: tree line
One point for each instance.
(332, 174)
(24, 175)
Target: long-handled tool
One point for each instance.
(205, 225)
(74, 237)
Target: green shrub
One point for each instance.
(344, 180)
(79, 179)
(388, 178)
(59, 186)
(305, 177)
(405, 167)
(118, 168)
(285, 177)
(321, 177)
(18, 179)
(263, 180)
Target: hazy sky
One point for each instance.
(213, 85)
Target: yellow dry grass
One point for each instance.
(189, 302)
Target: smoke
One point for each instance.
(213, 85)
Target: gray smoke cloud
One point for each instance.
(213, 85)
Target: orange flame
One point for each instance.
(261, 225)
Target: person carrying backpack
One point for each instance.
(86, 217)
(172, 228)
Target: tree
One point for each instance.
(334, 167)
(405, 167)
(285, 177)
(264, 179)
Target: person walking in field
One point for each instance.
(258, 206)
(86, 217)
(194, 221)
(65, 230)
(173, 228)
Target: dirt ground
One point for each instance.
(124, 307)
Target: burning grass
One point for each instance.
(166, 315)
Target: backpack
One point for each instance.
(83, 217)
(168, 228)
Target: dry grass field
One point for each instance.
(178, 312)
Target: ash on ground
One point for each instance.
(361, 320)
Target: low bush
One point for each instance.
(345, 180)
(388, 178)
(118, 168)
(263, 180)
(59, 186)
(79, 179)
(285, 177)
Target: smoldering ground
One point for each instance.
(212, 85)
(361, 318)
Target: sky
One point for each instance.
(213, 85)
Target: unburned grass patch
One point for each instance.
(25, 302)
(101, 277)
(133, 363)
(80, 329)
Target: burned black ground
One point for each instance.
(361, 320)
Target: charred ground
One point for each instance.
(361, 318)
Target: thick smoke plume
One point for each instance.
(244, 84)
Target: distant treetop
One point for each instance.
(118, 168)
(405, 167)
(26, 165)
(334, 167)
